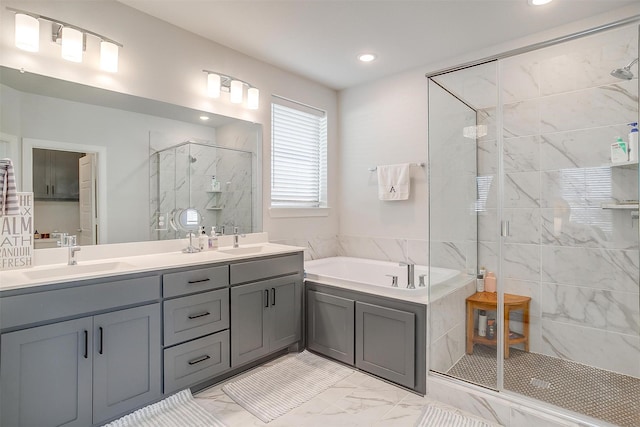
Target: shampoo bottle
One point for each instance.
(482, 323)
(633, 142)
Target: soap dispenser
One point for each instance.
(213, 239)
(202, 239)
(633, 142)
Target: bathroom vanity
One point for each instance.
(86, 350)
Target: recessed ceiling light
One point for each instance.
(205, 118)
(538, 2)
(367, 57)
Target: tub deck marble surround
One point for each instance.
(129, 258)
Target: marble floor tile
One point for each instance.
(357, 400)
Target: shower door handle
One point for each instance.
(504, 229)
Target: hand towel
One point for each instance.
(393, 181)
(9, 204)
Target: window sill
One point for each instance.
(298, 212)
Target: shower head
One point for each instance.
(625, 72)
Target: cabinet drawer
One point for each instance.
(190, 281)
(262, 269)
(195, 361)
(43, 306)
(193, 316)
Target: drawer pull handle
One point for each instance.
(191, 282)
(199, 359)
(195, 316)
(86, 344)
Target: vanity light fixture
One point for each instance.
(72, 44)
(27, 32)
(71, 37)
(218, 83)
(538, 2)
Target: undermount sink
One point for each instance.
(246, 250)
(70, 270)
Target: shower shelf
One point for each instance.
(615, 165)
(213, 208)
(627, 206)
(212, 191)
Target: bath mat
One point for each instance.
(178, 410)
(274, 391)
(433, 416)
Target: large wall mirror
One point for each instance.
(117, 143)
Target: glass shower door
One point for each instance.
(462, 211)
(571, 250)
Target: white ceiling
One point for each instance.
(320, 39)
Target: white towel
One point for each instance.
(9, 203)
(393, 181)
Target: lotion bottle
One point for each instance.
(633, 142)
(490, 282)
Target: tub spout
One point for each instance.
(410, 273)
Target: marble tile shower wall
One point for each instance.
(578, 262)
(184, 180)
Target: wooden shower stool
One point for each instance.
(489, 301)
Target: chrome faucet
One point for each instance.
(394, 280)
(410, 273)
(71, 242)
(236, 236)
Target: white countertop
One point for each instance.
(127, 258)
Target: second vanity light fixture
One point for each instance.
(218, 83)
(71, 37)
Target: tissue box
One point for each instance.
(618, 153)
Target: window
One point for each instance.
(298, 155)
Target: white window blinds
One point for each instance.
(298, 156)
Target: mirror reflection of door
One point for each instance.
(88, 231)
(58, 207)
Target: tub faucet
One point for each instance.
(410, 273)
(71, 243)
(236, 236)
(394, 280)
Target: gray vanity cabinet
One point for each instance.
(385, 343)
(46, 375)
(127, 370)
(265, 317)
(330, 328)
(83, 371)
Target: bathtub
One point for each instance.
(372, 276)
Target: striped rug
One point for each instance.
(434, 416)
(274, 391)
(178, 410)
